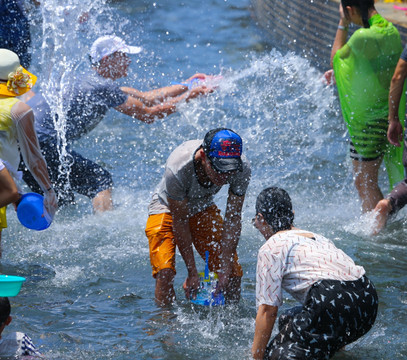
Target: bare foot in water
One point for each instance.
(381, 213)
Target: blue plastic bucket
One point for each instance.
(10, 285)
(30, 212)
(206, 292)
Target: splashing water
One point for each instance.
(89, 290)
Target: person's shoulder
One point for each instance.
(321, 240)
(89, 83)
(274, 241)
(20, 107)
(272, 249)
(17, 336)
(186, 149)
(182, 155)
(92, 78)
(359, 35)
(12, 336)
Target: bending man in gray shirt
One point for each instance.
(182, 213)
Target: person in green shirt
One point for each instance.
(363, 67)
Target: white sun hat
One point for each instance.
(109, 44)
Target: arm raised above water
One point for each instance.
(147, 113)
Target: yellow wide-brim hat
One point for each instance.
(14, 79)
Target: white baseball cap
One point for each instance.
(109, 44)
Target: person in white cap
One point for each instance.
(86, 101)
(17, 133)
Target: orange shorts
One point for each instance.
(206, 232)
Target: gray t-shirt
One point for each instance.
(180, 182)
(85, 103)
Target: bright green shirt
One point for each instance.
(363, 70)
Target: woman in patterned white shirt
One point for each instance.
(339, 303)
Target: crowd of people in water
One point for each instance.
(339, 303)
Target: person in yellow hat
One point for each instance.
(17, 133)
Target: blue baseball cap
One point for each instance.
(223, 147)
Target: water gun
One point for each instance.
(208, 282)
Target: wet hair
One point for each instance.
(5, 309)
(363, 6)
(275, 205)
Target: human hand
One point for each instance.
(198, 91)
(223, 280)
(199, 76)
(343, 20)
(329, 77)
(191, 285)
(210, 81)
(395, 133)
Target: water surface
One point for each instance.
(89, 291)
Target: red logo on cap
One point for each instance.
(229, 148)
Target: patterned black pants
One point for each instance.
(335, 313)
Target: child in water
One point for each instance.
(15, 344)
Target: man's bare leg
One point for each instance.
(103, 201)
(164, 287)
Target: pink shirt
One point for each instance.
(294, 262)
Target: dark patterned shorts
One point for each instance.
(335, 313)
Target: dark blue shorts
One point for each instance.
(81, 175)
(335, 313)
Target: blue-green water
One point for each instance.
(89, 291)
